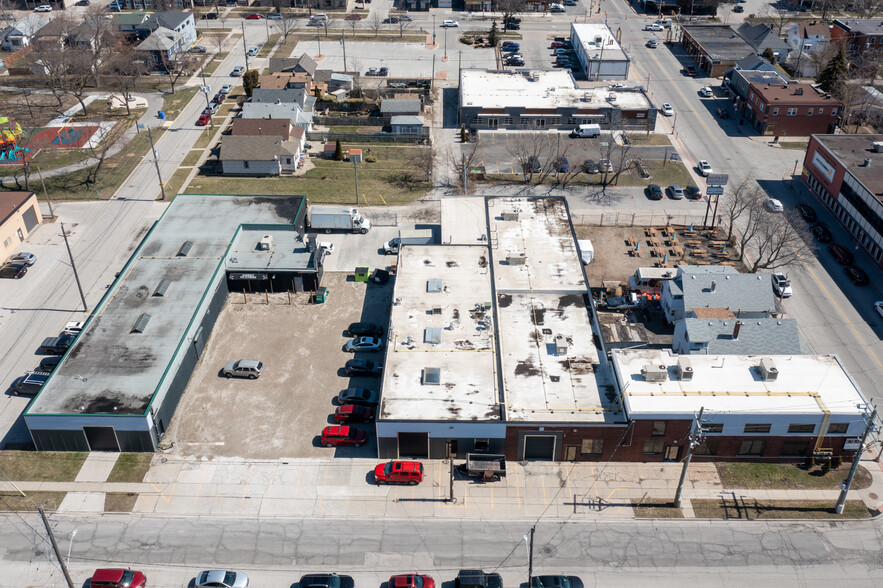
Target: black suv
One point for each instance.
(56, 345)
(364, 330)
(29, 384)
(326, 581)
(477, 579)
(841, 254)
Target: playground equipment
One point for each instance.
(10, 138)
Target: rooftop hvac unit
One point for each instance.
(768, 369)
(516, 260)
(654, 373)
(510, 216)
(878, 146)
(685, 369)
(266, 243)
(560, 345)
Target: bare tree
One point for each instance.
(868, 8)
(615, 157)
(375, 22)
(219, 41)
(285, 26)
(775, 17)
(459, 160)
(736, 203)
(532, 154)
(353, 19)
(779, 242)
(403, 24)
(100, 151)
(123, 70)
(176, 66)
(509, 8)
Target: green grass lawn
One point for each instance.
(130, 467)
(176, 182)
(777, 509)
(41, 466)
(641, 139)
(205, 138)
(656, 509)
(268, 45)
(13, 501)
(777, 476)
(672, 173)
(801, 145)
(192, 157)
(120, 501)
(173, 104)
(215, 63)
(48, 159)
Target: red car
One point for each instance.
(254, 17)
(399, 472)
(411, 581)
(118, 579)
(203, 120)
(353, 413)
(559, 45)
(333, 436)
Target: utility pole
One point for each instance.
(530, 556)
(432, 79)
(451, 481)
(244, 45)
(356, 176)
(343, 42)
(319, 43)
(207, 105)
(847, 483)
(695, 440)
(45, 194)
(465, 189)
(67, 576)
(459, 78)
(156, 163)
(74, 267)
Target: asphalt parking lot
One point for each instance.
(282, 413)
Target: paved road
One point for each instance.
(276, 552)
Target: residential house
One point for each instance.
(303, 64)
(809, 38)
(154, 4)
(260, 155)
(863, 39)
(181, 23)
(276, 127)
(335, 81)
(298, 96)
(19, 216)
(390, 108)
(761, 37)
(287, 111)
(284, 80)
(128, 23)
(866, 108)
(406, 124)
(718, 287)
(731, 336)
(19, 35)
(791, 109)
(161, 46)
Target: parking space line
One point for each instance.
(611, 494)
(543, 482)
(270, 485)
(163, 496)
(517, 488)
(248, 483)
(201, 480)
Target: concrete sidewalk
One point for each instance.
(315, 488)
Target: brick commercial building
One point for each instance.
(862, 38)
(19, 217)
(794, 110)
(844, 173)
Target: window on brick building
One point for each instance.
(835, 428)
(713, 427)
(751, 447)
(653, 446)
(792, 112)
(775, 112)
(757, 428)
(707, 447)
(592, 447)
(800, 428)
(658, 428)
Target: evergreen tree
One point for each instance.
(833, 78)
(768, 54)
(250, 81)
(338, 151)
(494, 35)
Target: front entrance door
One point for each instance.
(101, 438)
(672, 453)
(570, 453)
(493, 123)
(414, 445)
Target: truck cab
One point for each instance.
(415, 237)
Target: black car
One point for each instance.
(56, 345)
(360, 396)
(392, 20)
(555, 582)
(654, 192)
(693, 192)
(326, 581)
(590, 167)
(363, 367)
(821, 232)
(48, 364)
(210, 16)
(842, 255)
(384, 71)
(514, 19)
(807, 212)
(478, 579)
(82, 3)
(858, 276)
(13, 270)
(513, 26)
(364, 330)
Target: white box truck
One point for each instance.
(415, 237)
(337, 218)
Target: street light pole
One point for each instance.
(207, 105)
(70, 546)
(74, 267)
(244, 45)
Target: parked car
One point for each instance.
(807, 212)
(252, 51)
(343, 435)
(704, 168)
(773, 205)
(363, 344)
(667, 110)
(226, 89)
(570, 2)
(514, 19)
(203, 120)
(237, 71)
(690, 70)
(411, 581)
(652, 44)
(199, 49)
(73, 328)
(478, 579)
(117, 578)
(48, 364)
(221, 579)
(675, 192)
(821, 232)
(210, 109)
(399, 472)
(693, 192)
(254, 17)
(326, 581)
(654, 192)
(243, 368)
(858, 276)
(738, 8)
(360, 396)
(405, 18)
(218, 99)
(384, 71)
(781, 285)
(557, 8)
(722, 112)
(878, 306)
(22, 257)
(369, 329)
(56, 345)
(706, 92)
(29, 384)
(391, 20)
(449, 23)
(43, 8)
(353, 413)
(562, 165)
(590, 167)
(13, 270)
(510, 46)
(275, 16)
(210, 16)
(82, 3)
(372, 71)
(555, 582)
(561, 51)
(604, 165)
(841, 254)
(515, 60)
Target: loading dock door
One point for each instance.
(414, 445)
(539, 447)
(101, 439)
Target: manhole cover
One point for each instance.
(872, 496)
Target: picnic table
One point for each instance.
(631, 241)
(677, 251)
(654, 241)
(650, 232)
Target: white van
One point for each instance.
(319, 17)
(583, 131)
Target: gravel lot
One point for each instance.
(281, 413)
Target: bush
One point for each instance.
(826, 468)
(371, 158)
(338, 151)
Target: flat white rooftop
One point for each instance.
(592, 36)
(733, 384)
(533, 246)
(441, 320)
(550, 362)
(463, 220)
(541, 89)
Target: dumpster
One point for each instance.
(363, 274)
(321, 295)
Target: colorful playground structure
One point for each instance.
(10, 141)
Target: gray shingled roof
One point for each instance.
(254, 148)
(686, 270)
(756, 336)
(736, 292)
(285, 96)
(305, 62)
(761, 36)
(161, 39)
(406, 120)
(171, 19)
(400, 106)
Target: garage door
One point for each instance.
(539, 447)
(101, 438)
(414, 445)
(30, 218)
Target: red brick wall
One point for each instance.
(834, 185)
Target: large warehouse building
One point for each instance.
(118, 386)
